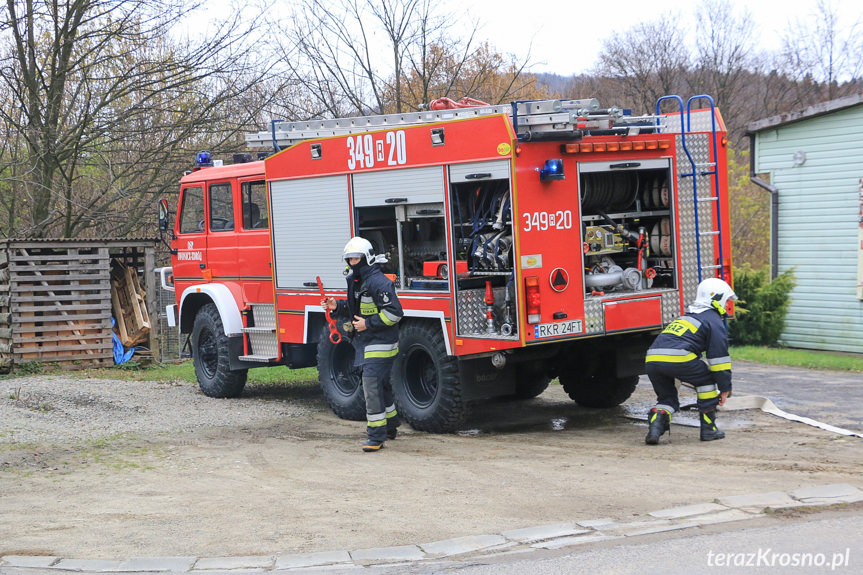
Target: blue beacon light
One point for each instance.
(553, 170)
(203, 159)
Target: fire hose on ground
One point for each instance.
(744, 402)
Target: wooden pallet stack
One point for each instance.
(56, 299)
(5, 317)
(129, 303)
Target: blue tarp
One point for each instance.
(120, 353)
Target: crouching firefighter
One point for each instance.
(374, 311)
(676, 353)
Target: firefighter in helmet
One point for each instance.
(374, 311)
(676, 353)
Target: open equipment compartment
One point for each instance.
(481, 208)
(401, 212)
(627, 225)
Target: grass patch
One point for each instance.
(809, 359)
(185, 371)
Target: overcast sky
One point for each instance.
(567, 35)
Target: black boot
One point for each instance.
(659, 421)
(709, 431)
(370, 446)
(393, 424)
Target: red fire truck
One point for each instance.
(542, 239)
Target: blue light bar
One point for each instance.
(553, 170)
(203, 159)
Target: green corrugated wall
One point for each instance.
(818, 225)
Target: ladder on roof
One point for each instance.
(532, 120)
(710, 168)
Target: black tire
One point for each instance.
(211, 356)
(531, 379)
(340, 380)
(425, 380)
(598, 389)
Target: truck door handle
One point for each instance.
(393, 201)
(202, 266)
(625, 165)
(310, 284)
(477, 176)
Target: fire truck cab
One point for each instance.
(545, 239)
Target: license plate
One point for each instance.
(557, 329)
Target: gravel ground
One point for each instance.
(111, 469)
(59, 410)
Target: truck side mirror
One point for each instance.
(164, 216)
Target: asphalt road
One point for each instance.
(810, 547)
(825, 543)
(831, 397)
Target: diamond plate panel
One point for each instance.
(686, 219)
(594, 319)
(264, 314)
(670, 306)
(264, 344)
(691, 243)
(698, 121)
(471, 310)
(701, 121)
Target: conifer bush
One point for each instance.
(759, 314)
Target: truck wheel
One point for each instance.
(211, 356)
(531, 379)
(597, 390)
(341, 381)
(425, 380)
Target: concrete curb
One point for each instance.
(554, 536)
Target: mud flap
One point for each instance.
(481, 380)
(629, 358)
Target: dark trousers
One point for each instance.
(380, 407)
(694, 372)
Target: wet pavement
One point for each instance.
(827, 396)
(835, 398)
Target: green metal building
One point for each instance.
(812, 164)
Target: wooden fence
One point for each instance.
(56, 298)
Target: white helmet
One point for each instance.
(358, 247)
(713, 293)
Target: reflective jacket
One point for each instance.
(372, 296)
(687, 337)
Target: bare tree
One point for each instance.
(820, 52)
(435, 60)
(330, 48)
(333, 50)
(104, 97)
(725, 53)
(483, 74)
(647, 61)
(399, 21)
